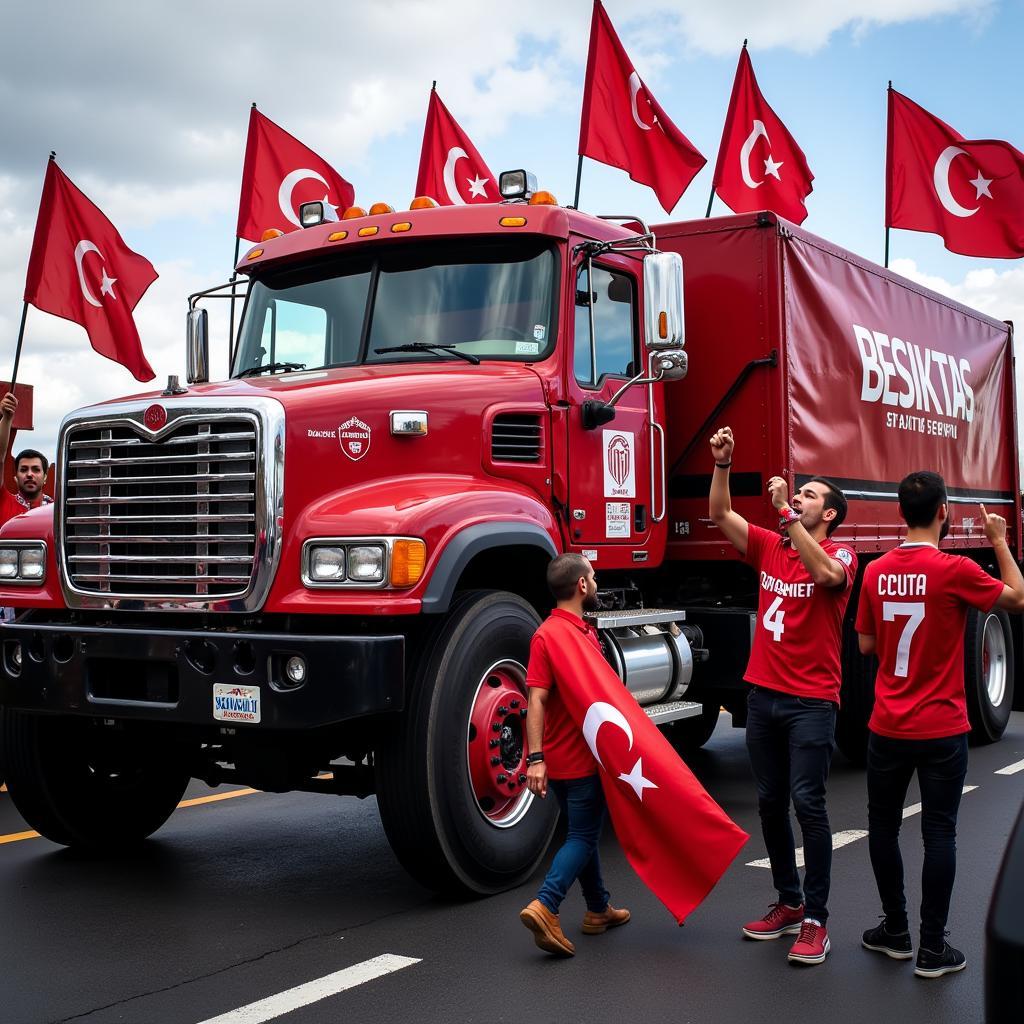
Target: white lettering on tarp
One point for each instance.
(902, 374)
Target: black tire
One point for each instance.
(83, 785)
(690, 734)
(427, 802)
(988, 674)
(856, 696)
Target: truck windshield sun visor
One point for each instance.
(421, 303)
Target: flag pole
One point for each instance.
(579, 175)
(234, 277)
(886, 264)
(711, 199)
(888, 157)
(17, 351)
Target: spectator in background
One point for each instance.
(30, 469)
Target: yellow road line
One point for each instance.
(15, 837)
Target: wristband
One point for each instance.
(788, 516)
(535, 758)
(724, 465)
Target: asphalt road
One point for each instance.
(236, 901)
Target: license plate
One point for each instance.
(236, 703)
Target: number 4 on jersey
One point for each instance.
(773, 620)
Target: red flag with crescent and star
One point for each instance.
(80, 269)
(624, 126)
(279, 175)
(760, 166)
(452, 171)
(677, 839)
(971, 192)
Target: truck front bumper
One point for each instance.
(177, 676)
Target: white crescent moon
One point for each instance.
(941, 181)
(81, 249)
(455, 154)
(597, 714)
(757, 131)
(634, 87)
(284, 193)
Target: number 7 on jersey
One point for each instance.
(914, 611)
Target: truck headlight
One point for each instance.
(326, 564)
(366, 563)
(8, 563)
(23, 562)
(32, 564)
(363, 562)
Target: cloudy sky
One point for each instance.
(146, 105)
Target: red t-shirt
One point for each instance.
(566, 753)
(914, 600)
(12, 505)
(798, 635)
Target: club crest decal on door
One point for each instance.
(354, 437)
(619, 464)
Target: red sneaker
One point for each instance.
(780, 920)
(812, 946)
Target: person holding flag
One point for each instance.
(594, 746)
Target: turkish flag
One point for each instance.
(81, 270)
(452, 171)
(760, 166)
(678, 840)
(971, 192)
(280, 174)
(623, 124)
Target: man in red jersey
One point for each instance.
(30, 469)
(559, 756)
(804, 583)
(913, 608)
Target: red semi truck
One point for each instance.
(323, 573)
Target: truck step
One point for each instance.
(659, 714)
(635, 617)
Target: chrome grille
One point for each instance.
(170, 518)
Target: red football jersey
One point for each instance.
(914, 600)
(566, 753)
(798, 636)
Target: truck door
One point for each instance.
(609, 466)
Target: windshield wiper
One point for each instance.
(426, 346)
(255, 371)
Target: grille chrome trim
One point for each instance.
(191, 566)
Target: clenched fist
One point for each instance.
(722, 444)
(8, 406)
(778, 492)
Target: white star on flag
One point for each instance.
(330, 210)
(476, 186)
(107, 284)
(981, 186)
(636, 779)
(772, 167)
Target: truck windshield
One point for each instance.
(491, 301)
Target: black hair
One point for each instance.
(564, 572)
(920, 495)
(31, 453)
(833, 498)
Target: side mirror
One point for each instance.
(595, 414)
(670, 364)
(197, 346)
(663, 301)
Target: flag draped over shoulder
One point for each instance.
(678, 840)
(80, 269)
(452, 171)
(279, 175)
(760, 166)
(623, 124)
(971, 192)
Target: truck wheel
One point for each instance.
(80, 784)
(459, 822)
(988, 674)
(856, 697)
(690, 734)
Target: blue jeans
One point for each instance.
(790, 741)
(582, 802)
(941, 766)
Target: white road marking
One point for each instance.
(1011, 769)
(840, 839)
(313, 991)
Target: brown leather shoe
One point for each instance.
(595, 924)
(547, 931)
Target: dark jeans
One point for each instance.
(790, 741)
(941, 766)
(582, 802)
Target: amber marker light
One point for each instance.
(663, 324)
(364, 232)
(271, 233)
(337, 236)
(379, 208)
(402, 225)
(408, 559)
(353, 212)
(543, 199)
(423, 203)
(254, 254)
(512, 222)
